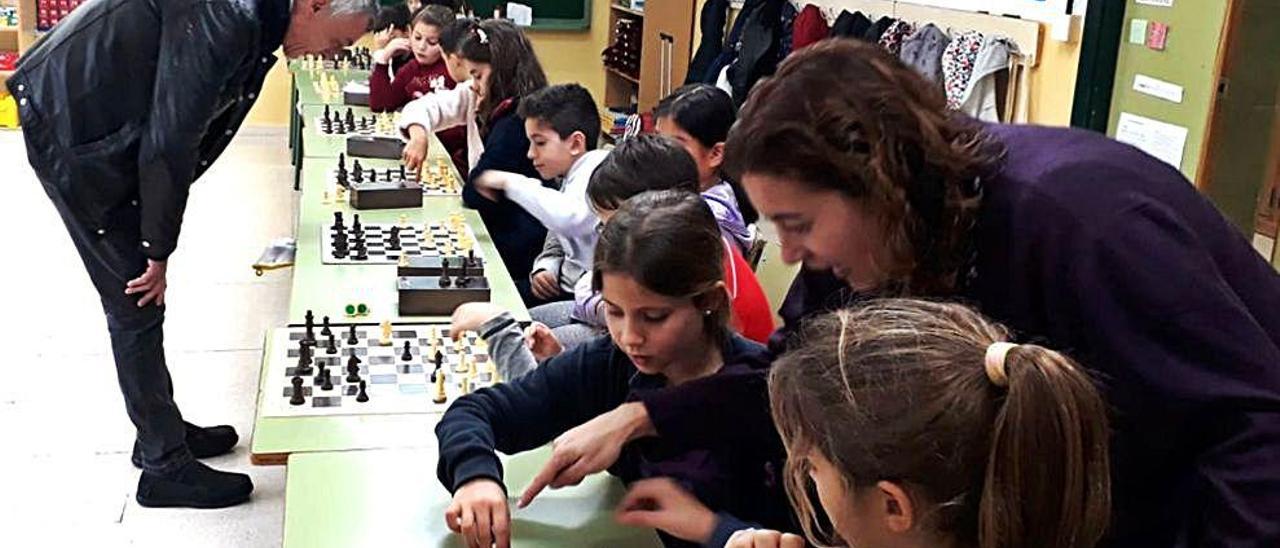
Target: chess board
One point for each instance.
(452, 237)
(436, 178)
(381, 125)
(392, 384)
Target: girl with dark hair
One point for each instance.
(699, 116)
(503, 69)
(658, 266)
(917, 424)
(392, 34)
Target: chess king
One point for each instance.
(124, 104)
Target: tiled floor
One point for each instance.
(65, 475)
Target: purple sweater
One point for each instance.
(1091, 247)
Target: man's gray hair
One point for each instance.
(344, 7)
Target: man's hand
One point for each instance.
(470, 316)
(479, 513)
(544, 284)
(588, 448)
(395, 46)
(491, 184)
(660, 503)
(541, 341)
(764, 538)
(415, 151)
(151, 284)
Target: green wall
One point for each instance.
(1188, 60)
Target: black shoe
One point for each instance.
(195, 485)
(203, 442)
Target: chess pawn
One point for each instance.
(385, 340)
(471, 368)
(404, 260)
(325, 199)
(440, 394)
(466, 385)
(404, 220)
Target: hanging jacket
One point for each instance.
(758, 56)
(850, 25)
(786, 27)
(728, 54)
(132, 100)
(714, 16)
(923, 51)
(810, 27)
(980, 98)
(892, 38)
(957, 66)
(877, 29)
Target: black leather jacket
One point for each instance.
(126, 102)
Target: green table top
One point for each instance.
(309, 93)
(316, 144)
(327, 289)
(392, 498)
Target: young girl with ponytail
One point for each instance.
(917, 424)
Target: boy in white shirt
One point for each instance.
(563, 126)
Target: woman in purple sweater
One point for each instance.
(1074, 241)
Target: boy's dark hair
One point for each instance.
(566, 108)
(703, 111)
(514, 68)
(668, 241)
(396, 17)
(640, 164)
(434, 15)
(451, 35)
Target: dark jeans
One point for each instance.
(112, 257)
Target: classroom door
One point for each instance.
(1241, 163)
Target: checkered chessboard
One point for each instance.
(449, 238)
(392, 383)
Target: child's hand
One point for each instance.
(662, 504)
(541, 341)
(470, 316)
(588, 448)
(492, 183)
(479, 513)
(415, 151)
(395, 46)
(764, 538)
(545, 285)
(382, 37)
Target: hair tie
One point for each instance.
(484, 38)
(994, 362)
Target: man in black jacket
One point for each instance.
(123, 105)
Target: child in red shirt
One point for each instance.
(425, 73)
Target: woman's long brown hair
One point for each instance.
(847, 116)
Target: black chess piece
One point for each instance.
(339, 130)
(464, 278)
(350, 117)
(321, 372)
(361, 253)
(355, 224)
(402, 173)
(310, 335)
(439, 361)
(363, 396)
(471, 257)
(388, 173)
(444, 272)
(304, 360)
(408, 352)
(324, 328)
(296, 398)
(357, 172)
(393, 241)
(338, 224)
(353, 370)
(332, 347)
(327, 382)
(342, 161)
(351, 337)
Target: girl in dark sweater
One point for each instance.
(658, 265)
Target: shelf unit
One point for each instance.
(621, 90)
(19, 38)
